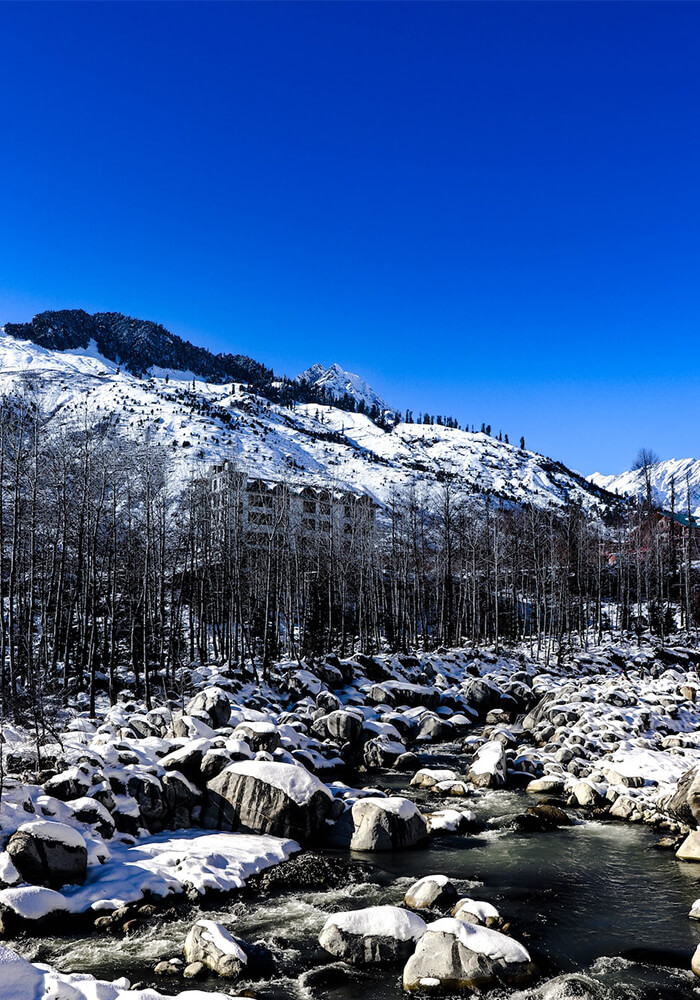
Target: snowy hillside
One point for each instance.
(684, 472)
(337, 383)
(203, 422)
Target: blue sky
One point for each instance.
(488, 210)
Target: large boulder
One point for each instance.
(382, 752)
(187, 759)
(212, 702)
(690, 848)
(695, 961)
(377, 934)
(684, 802)
(148, 793)
(488, 769)
(284, 800)
(258, 735)
(456, 956)
(542, 709)
(482, 696)
(212, 945)
(395, 692)
(344, 727)
(380, 824)
(48, 854)
(70, 784)
(28, 907)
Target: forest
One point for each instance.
(115, 572)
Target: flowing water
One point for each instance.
(602, 913)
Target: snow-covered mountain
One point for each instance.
(202, 422)
(683, 472)
(337, 384)
(136, 344)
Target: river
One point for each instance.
(597, 906)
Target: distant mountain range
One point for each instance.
(326, 426)
(684, 473)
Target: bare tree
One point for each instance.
(644, 461)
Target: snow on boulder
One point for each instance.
(258, 735)
(28, 904)
(450, 820)
(187, 758)
(476, 911)
(192, 728)
(19, 980)
(376, 934)
(70, 784)
(428, 777)
(212, 702)
(550, 784)
(281, 799)
(212, 945)
(49, 854)
(404, 693)
(380, 824)
(589, 794)
(432, 890)
(453, 955)
(488, 769)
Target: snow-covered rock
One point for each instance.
(431, 890)
(164, 865)
(380, 824)
(284, 800)
(375, 934)
(475, 911)
(428, 777)
(488, 769)
(212, 702)
(49, 854)
(211, 944)
(456, 956)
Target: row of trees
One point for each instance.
(111, 566)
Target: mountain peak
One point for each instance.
(338, 383)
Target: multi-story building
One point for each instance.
(260, 506)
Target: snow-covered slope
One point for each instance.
(337, 383)
(683, 472)
(202, 423)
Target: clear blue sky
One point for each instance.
(489, 210)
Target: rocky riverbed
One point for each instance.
(362, 791)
